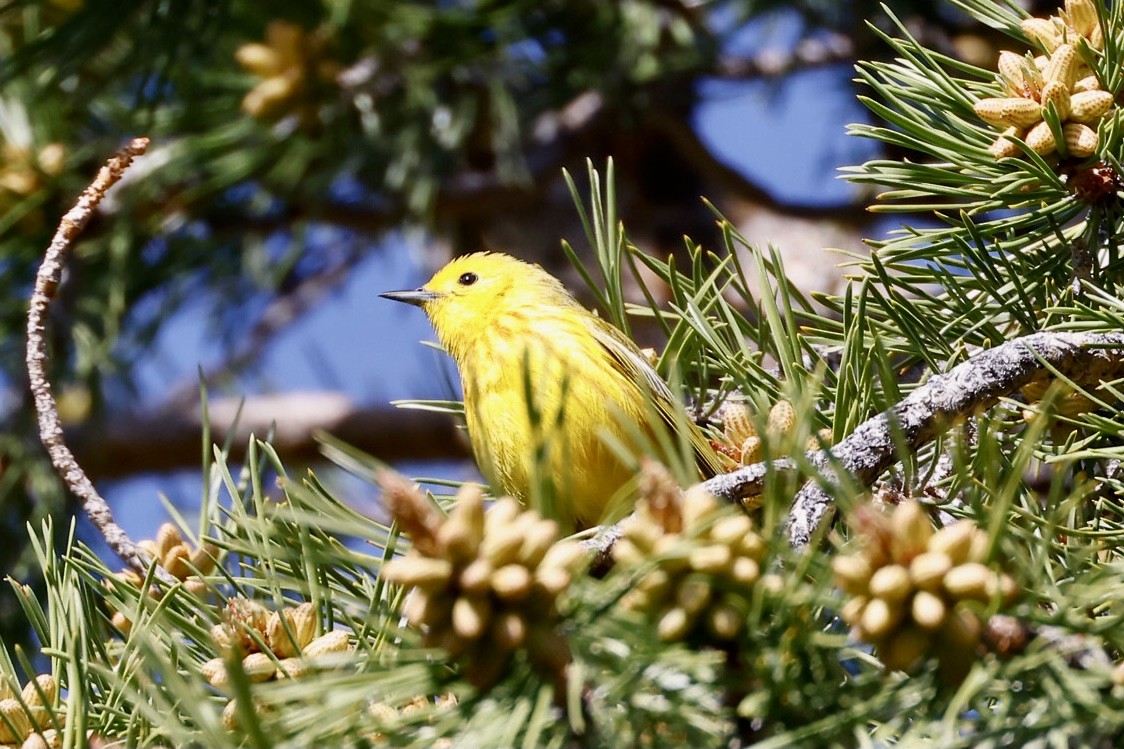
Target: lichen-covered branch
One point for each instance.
(50, 428)
(974, 385)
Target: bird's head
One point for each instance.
(472, 291)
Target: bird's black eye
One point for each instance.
(467, 279)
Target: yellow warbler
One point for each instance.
(546, 380)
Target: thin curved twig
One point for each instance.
(50, 427)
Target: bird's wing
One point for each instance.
(627, 357)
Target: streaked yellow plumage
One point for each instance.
(524, 346)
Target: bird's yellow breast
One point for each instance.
(540, 387)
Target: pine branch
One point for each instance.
(50, 427)
(926, 412)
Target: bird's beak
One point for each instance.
(417, 297)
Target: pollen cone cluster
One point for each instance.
(1060, 79)
(33, 718)
(291, 63)
(915, 592)
(696, 559)
(270, 644)
(742, 443)
(484, 584)
(181, 560)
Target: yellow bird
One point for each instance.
(546, 381)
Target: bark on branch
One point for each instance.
(970, 387)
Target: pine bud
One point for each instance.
(14, 725)
(175, 561)
(1004, 147)
(335, 641)
(710, 559)
(737, 422)
(697, 504)
(292, 668)
(745, 571)
(1057, 94)
(1080, 140)
(471, 615)
(655, 582)
(954, 540)
(971, 580)
(725, 619)
(910, 530)
(476, 577)
(511, 582)
(927, 570)
(1008, 588)
(567, 555)
(730, 530)
(1011, 111)
(40, 717)
(1084, 85)
(538, 540)
(149, 547)
(978, 549)
(927, 610)
(41, 692)
(502, 544)
(1041, 140)
(291, 629)
(890, 583)
(553, 580)
(509, 630)
(230, 716)
(642, 533)
(425, 609)
(461, 533)
(751, 545)
(259, 667)
(1081, 16)
(416, 570)
(1063, 66)
(878, 618)
(1042, 31)
(1096, 37)
(167, 537)
(750, 451)
(782, 418)
(673, 625)
(852, 573)
(501, 514)
(1013, 69)
(48, 738)
(852, 610)
(258, 59)
(961, 632)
